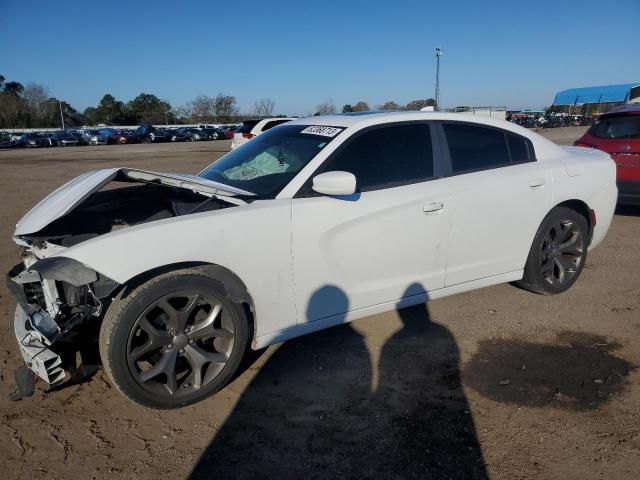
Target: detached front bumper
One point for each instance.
(37, 355)
(56, 297)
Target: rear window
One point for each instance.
(622, 126)
(247, 126)
(273, 123)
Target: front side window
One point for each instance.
(475, 148)
(266, 164)
(387, 157)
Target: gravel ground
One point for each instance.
(496, 383)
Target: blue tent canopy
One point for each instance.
(602, 94)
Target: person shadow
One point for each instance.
(313, 410)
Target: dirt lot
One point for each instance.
(495, 383)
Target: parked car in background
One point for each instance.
(79, 136)
(32, 139)
(64, 139)
(121, 137)
(229, 132)
(252, 128)
(149, 134)
(48, 138)
(178, 135)
(94, 137)
(5, 140)
(214, 133)
(195, 134)
(618, 134)
(108, 133)
(357, 215)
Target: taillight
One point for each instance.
(248, 135)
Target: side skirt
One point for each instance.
(305, 328)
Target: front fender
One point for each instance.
(253, 242)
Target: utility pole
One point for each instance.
(438, 54)
(61, 116)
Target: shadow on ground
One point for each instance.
(313, 412)
(578, 372)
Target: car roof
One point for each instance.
(367, 119)
(372, 118)
(630, 109)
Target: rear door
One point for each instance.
(499, 196)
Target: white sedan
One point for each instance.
(316, 222)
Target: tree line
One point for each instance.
(32, 106)
(328, 107)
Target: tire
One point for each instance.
(156, 365)
(558, 252)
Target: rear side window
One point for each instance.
(475, 148)
(520, 150)
(621, 126)
(247, 126)
(387, 157)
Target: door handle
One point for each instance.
(433, 207)
(536, 182)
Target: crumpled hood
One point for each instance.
(71, 194)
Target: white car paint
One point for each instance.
(258, 128)
(382, 249)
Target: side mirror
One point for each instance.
(335, 183)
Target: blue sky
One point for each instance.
(299, 53)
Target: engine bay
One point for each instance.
(121, 207)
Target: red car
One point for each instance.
(124, 136)
(230, 132)
(618, 133)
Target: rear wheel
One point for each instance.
(558, 252)
(174, 340)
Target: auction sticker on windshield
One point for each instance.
(322, 130)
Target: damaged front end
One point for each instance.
(60, 300)
(56, 297)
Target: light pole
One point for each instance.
(438, 54)
(61, 116)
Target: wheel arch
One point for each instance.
(582, 208)
(232, 284)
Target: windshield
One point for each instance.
(622, 126)
(267, 163)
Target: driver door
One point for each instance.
(385, 242)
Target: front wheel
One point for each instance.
(174, 340)
(558, 252)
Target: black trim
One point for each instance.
(629, 192)
(306, 191)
